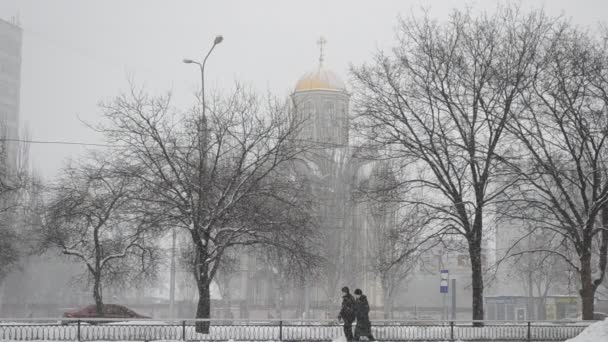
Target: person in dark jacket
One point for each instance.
(347, 313)
(364, 326)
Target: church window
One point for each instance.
(330, 121)
(330, 109)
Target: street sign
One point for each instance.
(443, 284)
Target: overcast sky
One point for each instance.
(76, 52)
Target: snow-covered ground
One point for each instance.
(596, 332)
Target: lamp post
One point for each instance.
(216, 41)
(202, 139)
(203, 124)
(172, 276)
(202, 134)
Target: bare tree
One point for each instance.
(562, 133)
(394, 259)
(286, 270)
(539, 274)
(441, 101)
(9, 253)
(212, 189)
(94, 217)
(402, 234)
(17, 187)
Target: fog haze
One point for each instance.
(76, 53)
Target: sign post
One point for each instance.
(443, 285)
(444, 288)
(453, 299)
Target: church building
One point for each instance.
(320, 100)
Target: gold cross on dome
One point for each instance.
(321, 42)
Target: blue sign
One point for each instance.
(443, 285)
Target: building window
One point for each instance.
(491, 312)
(9, 67)
(500, 312)
(510, 312)
(10, 45)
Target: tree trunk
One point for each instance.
(98, 297)
(542, 309)
(530, 301)
(228, 302)
(300, 299)
(477, 280)
(279, 304)
(203, 283)
(387, 301)
(279, 295)
(386, 308)
(203, 308)
(1, 294)
(587, 288)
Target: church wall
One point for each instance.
(326, 116)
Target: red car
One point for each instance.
(109, 311)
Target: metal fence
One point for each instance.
(281, 330)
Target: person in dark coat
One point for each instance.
(364, 326)
(347, 313)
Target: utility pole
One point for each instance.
(172, 280)
(453, 299)
(443, 289)
(529, 302)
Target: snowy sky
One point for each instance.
(76, 52)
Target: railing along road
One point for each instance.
(63, 329)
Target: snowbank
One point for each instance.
(596, 332)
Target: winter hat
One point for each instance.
(358, 292)
(345, 289)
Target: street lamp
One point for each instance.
(202, 138)
(203, 125)
(218, 39)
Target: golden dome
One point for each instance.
(321, 79)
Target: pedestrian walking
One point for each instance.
(364, 326)
(347, 313)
